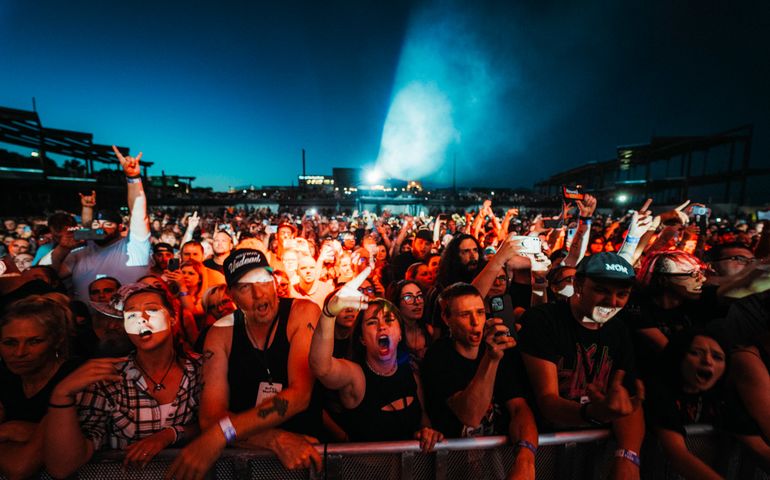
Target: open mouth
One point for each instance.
(145, 333)
(383, 342)
(704, 375)
(475, 337)
(263, 309)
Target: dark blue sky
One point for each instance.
(231, 92)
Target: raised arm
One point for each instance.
(87, 204)
(192, 223)
(577, 250)
(137, 201)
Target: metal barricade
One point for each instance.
(578, 455)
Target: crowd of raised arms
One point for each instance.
(256, 329)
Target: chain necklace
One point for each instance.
(158, 385)
(386, 374)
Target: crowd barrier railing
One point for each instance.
(574, 455)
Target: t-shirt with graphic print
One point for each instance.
(582, 356)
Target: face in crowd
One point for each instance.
(732, 261)
(161, 258)
(147, 320)
(599, 300)
(465, 317)
(222, 244)
(26, 345)
(111, 230)
(499, 284)
(282, 284)
(703, 364)
(18, 246)
(684, 275)
(468, 253)
(255, 295)
(102, 290)
(420, 248)
(380, 332)
(192, 251)
(306, 269)
(411, 303)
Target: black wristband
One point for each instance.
(60, 405)
(134, 176)
(585, 219)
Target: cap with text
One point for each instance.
(606, 266)
(240, 262)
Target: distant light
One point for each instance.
(493, 193)
(244, 191)
(373, 176)
(34, 154)
(622, 198)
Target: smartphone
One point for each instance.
(698, 210)
(271, 229)
(90, 234)
(173, 265)
(571, 194)
(527, 244)
(763, 215)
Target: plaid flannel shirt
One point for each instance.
(121, 413)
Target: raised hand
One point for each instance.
(617, 402)
(193, 220)
(676, 215)
(130, 164)
(88, 201)
(95, 370)
(587, 206)
(348, 296)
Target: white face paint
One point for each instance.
(258, 275)
(602, 315)
(145, 322)
(567, 291)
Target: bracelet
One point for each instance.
(528, 445)
(325, 310)
(227, 429)
(587, 418)
(136, 179)
(61, 405)
(632, 240)
(176, 435)
(629, 455)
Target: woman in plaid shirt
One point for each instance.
(142, 403)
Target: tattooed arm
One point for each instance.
(200, 455)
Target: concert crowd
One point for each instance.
(143, 329)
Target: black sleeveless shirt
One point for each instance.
(248, 366)
(368, 422)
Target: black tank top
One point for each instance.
(248, 366)
(368, 422)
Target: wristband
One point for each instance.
(61, 405)
(587, 418)
(528, 445)
(585, 219)
(632, 240)
(629, 455)
(136, 179)
(227, 429)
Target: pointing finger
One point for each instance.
(645, 206)
(139, 157)
(682, 206)
(356, 282)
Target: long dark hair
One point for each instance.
(677, 349)
(450, 269)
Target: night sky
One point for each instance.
(230, 92)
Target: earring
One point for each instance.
(57, 354)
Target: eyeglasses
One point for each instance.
(738, 258)
(366, 290)
(411, 299)
(501, 279)
(693, 274)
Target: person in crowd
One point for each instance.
(217, 304)
(258, 385)
(19, 246)
(161, 254)
(34, 351)
(577, 355)
(345, 268)
(309, 286)
(421, 244)
(223, 245)
(473, 380)
(419, 272)
(561, 283)
(290, 261)
(142, 403)
(58, 223)
(282, 285)
(125, 258)
(23, 261)
(102, 289)
(408, 296)
(687, 392)
(380, 391)
(193, 250)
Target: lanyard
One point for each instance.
(262, 354)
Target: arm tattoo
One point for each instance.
(310, 326)
(280, 406)
(207, 355)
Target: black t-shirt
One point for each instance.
(210, 263)
(401, 263)
(670, 408)
(446, 372)
(17, 406)
(747, 319)
(582, 356)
